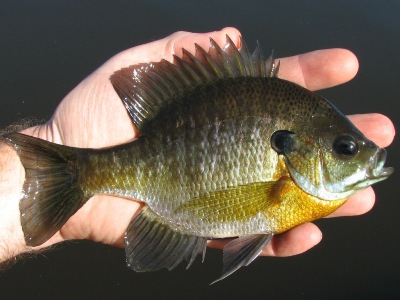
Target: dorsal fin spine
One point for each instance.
(148, 87)
(206, 59)
(236, 61)
(152, 92)
(221, 59)
(189, 71)
(163, 86)
(247, 59)
(170, 78)
(199, 68)
(258, 61)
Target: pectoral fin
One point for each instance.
(242, 251)
(151, 244)
(233, 203)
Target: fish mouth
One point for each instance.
(377, 170)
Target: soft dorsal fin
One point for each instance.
(146, 88)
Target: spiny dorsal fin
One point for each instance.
(146, 88)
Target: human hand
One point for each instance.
(92, 115)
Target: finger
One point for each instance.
(358, 204)
(319, 69)
(167, 47)
(314, 70)
(295, 241)
(376, 127)
(187, 40)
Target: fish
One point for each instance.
(226, 149)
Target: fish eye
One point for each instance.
(281, 141)
(345, 146)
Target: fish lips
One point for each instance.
(377, 169)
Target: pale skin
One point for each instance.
(92, 115)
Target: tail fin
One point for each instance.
(51, 193)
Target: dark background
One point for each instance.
(47, 48)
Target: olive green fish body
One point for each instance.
(217, 140)
(226, 149)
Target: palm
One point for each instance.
(97, 119)
(92, 115)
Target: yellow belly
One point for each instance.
(292, 206)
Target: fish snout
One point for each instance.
(377, 169)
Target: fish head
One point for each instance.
(333, 161)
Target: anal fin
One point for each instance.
(151, 245)
(242, 251)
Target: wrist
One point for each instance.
(12, 176)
